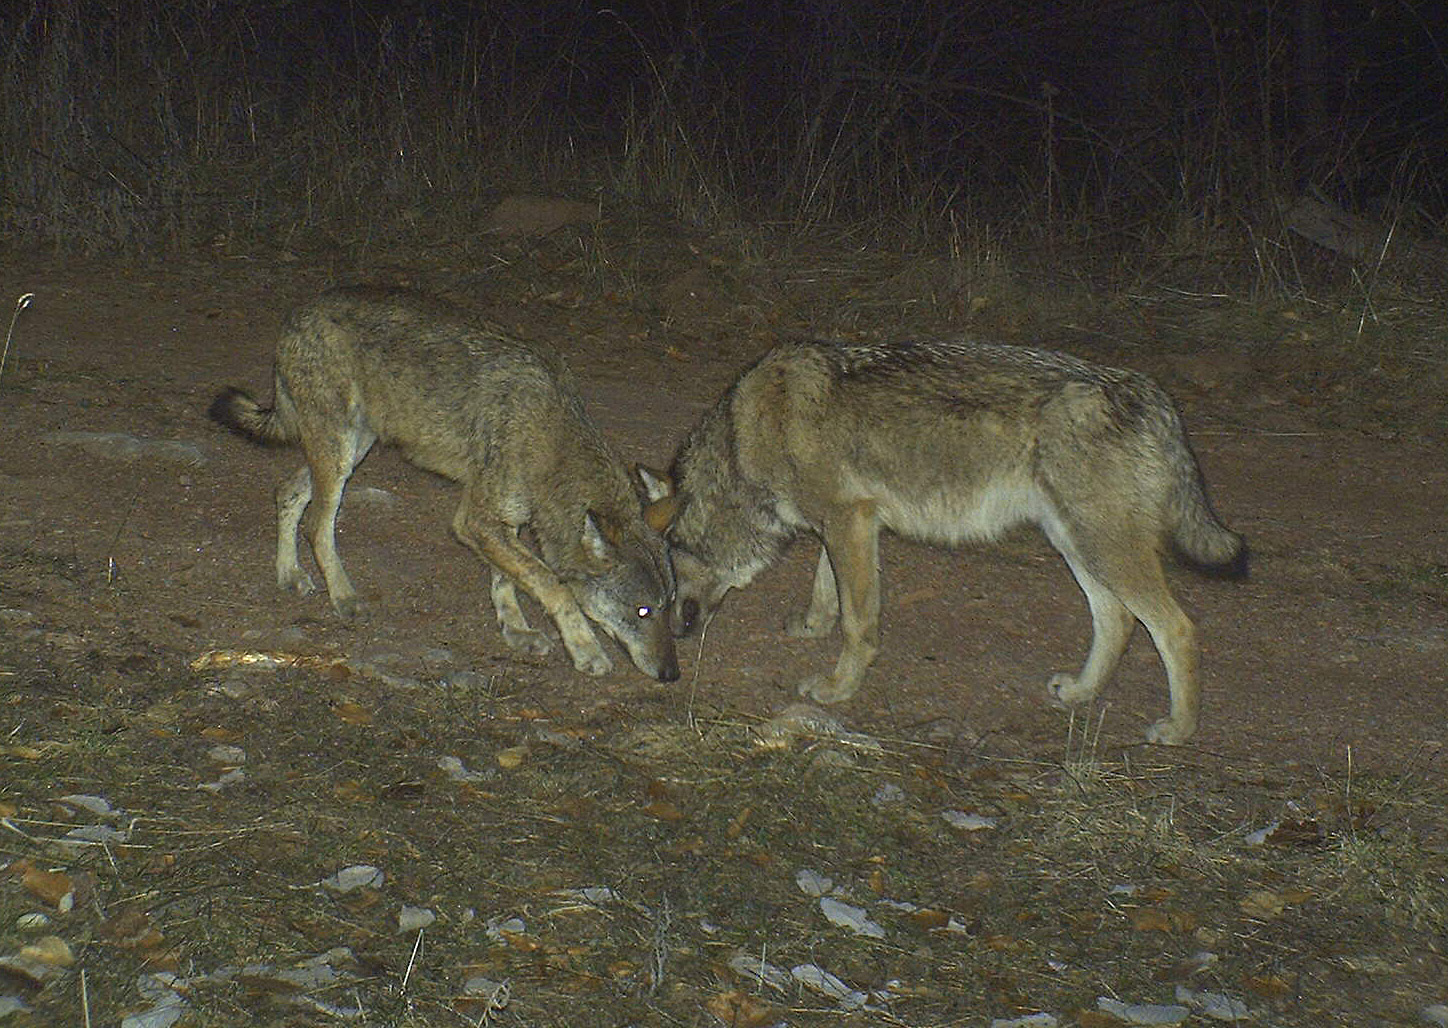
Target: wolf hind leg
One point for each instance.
(824, 604)
(332, 463)
(1111, 627)
(852, 541)
(517, 633)
(1124, 582)
(293, 495)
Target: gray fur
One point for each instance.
(504, 419)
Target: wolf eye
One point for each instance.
(644, 612)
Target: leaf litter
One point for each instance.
(633, 862)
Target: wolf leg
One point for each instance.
(1124, 582)
(1176, 640)
(824, 604)
(293, 495)
(852, 540)
(1111, 625)
(332, 464)
(498, 544)
(517, 633)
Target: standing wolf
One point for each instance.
(501, 418)
(947, 442)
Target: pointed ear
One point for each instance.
(599, 535)
(655, 484)
(661, 513)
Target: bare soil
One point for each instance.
(1107, 867)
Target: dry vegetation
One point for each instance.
(631, 865)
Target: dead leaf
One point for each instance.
(663, 810)
(737, 822)
(1151, 919)
(1264, 905)
(8, 809)
(50, 950)
(216, 733)
(926, 919)
(520, 942)
(512, 758)
(53, 887)
(1268, 986)
(353, 791)
(353, 714)
(741, 1010)
(1296, 833)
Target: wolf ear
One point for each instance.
(599, 535)
(655, 484)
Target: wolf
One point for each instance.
(947, 442)
(504, 419)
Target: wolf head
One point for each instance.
(629, 593)
(716, 540)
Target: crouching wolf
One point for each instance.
(500, 417)
(947, 442)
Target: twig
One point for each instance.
(20, 305)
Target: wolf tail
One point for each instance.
(270, 426)
(1199, 538)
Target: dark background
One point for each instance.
(130, 124)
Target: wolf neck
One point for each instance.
(727, 519)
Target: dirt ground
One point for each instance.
(135, 536)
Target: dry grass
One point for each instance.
(640, 852)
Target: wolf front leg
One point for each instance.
(478, 528)
(852, 542)
(824, 604)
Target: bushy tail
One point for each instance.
(1200, 539)
(269, 426)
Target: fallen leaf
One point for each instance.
(741, 1010)
(847, 916)
(928, 920)
(216, 733)
(352, 791)
(51, 887)
(50, 950)
(1151, 919)
(737, 822)
(663, 810)
(353, 714)
(1263, 905)
(1269, 986)
(512, 758)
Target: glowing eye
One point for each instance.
(644, 612)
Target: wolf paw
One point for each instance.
(824, 689)
(1169, 732)
(527, 640)
(1066, 691)
(295, 581)
(347, 607)
(799, 626)
(595, 663)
